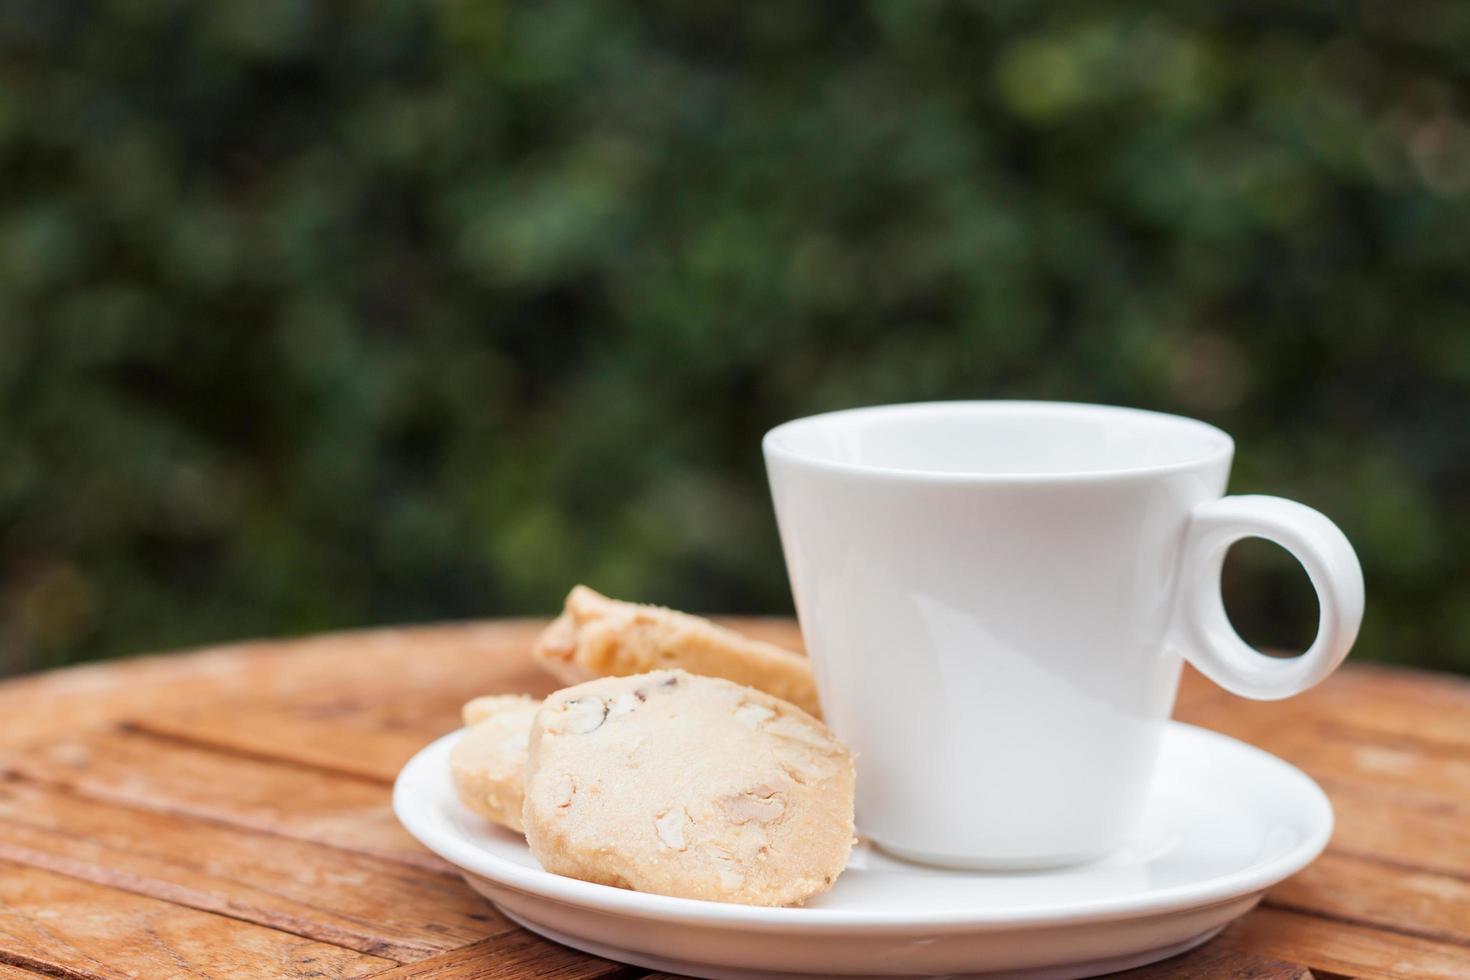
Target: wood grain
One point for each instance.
(372, 666)
(373, 732)
(355, 745)
(1344, 947)
(334, 896)
(143, 772)
(424, 666)
(59, 925)
(1411, 903)
(518, 955)
(1411, 777)
(226, 812)
(1397, 836)
(1214, 961)
(1365, 704)
(1391, 705)
(8, 972)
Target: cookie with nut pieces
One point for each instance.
(488, 763)
(697, 787)
(600, 637)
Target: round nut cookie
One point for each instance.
(489, 761)
(691, 786)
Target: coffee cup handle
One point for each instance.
(1203, 629)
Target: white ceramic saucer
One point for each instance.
(1225, 822)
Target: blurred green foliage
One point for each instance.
(317, 315)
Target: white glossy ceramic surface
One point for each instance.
(997, 597)
(1223, 823)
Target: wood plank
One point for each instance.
(1399, 803)
(371, 734)
(1366, 702)
(453, 662)
(290, 745)
(1345, 948)
(154, 774)
(1418, 839)
(1405, 775)
(1418, 703)
(1412, 903)
(8, 972)
(330, 895)
(1413, 774)
(352, 746)
(513, 957)
(352, 737)
(377, 666)
(1213, 961)
(59, 925)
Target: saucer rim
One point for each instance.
(414, 810)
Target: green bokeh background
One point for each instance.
(317, 315)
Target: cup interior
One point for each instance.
(998, 439)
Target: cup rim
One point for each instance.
(774, 449)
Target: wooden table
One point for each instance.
(226, 813)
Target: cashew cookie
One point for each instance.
(692, 786)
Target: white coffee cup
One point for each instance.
(998, 597)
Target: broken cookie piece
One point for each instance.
(600, 637)
(692, 786)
